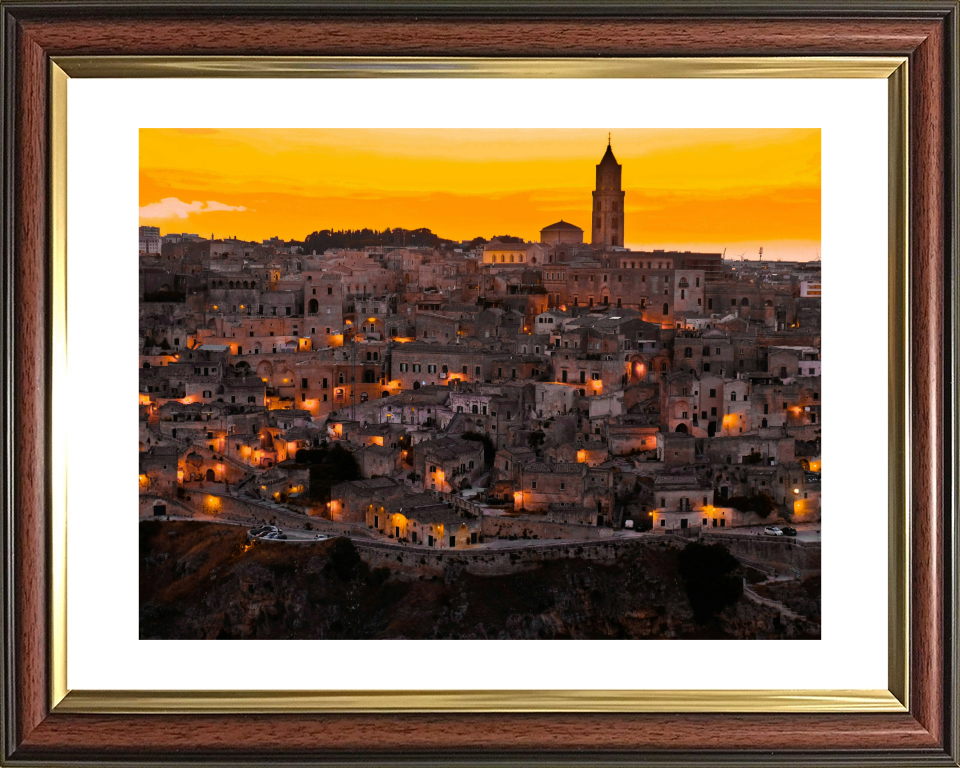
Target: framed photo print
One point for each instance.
(487, 362)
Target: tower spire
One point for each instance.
(608, 138)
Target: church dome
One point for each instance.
(562, 225)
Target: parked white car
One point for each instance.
(772, 530)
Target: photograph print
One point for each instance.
(480, 384)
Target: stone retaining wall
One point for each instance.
(528, 527)
(784, 551)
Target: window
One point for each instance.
(563, 486)
(533, 485)
(453, 541)
(303, 383)
(416, 367)
(733, 397)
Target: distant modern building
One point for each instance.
(149, 239)
(809, 289)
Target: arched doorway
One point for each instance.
(681, 428)
(211, 476)
(416, 385)
(313, 307)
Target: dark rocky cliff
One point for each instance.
(205, 581)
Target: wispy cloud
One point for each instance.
(174, 208)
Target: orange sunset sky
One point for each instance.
(687, 189)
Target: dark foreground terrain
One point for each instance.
(206, 581)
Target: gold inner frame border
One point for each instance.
(894, 699)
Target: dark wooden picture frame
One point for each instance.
(924, 32)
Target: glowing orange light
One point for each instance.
(581, 457)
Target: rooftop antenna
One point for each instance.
(761, 253)
(608, 138)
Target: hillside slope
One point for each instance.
(204, 581)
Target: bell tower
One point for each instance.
(607, 223)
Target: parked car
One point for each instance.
(772, 530)
(788, 531)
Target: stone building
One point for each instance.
(561, 232)
(608, 215)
